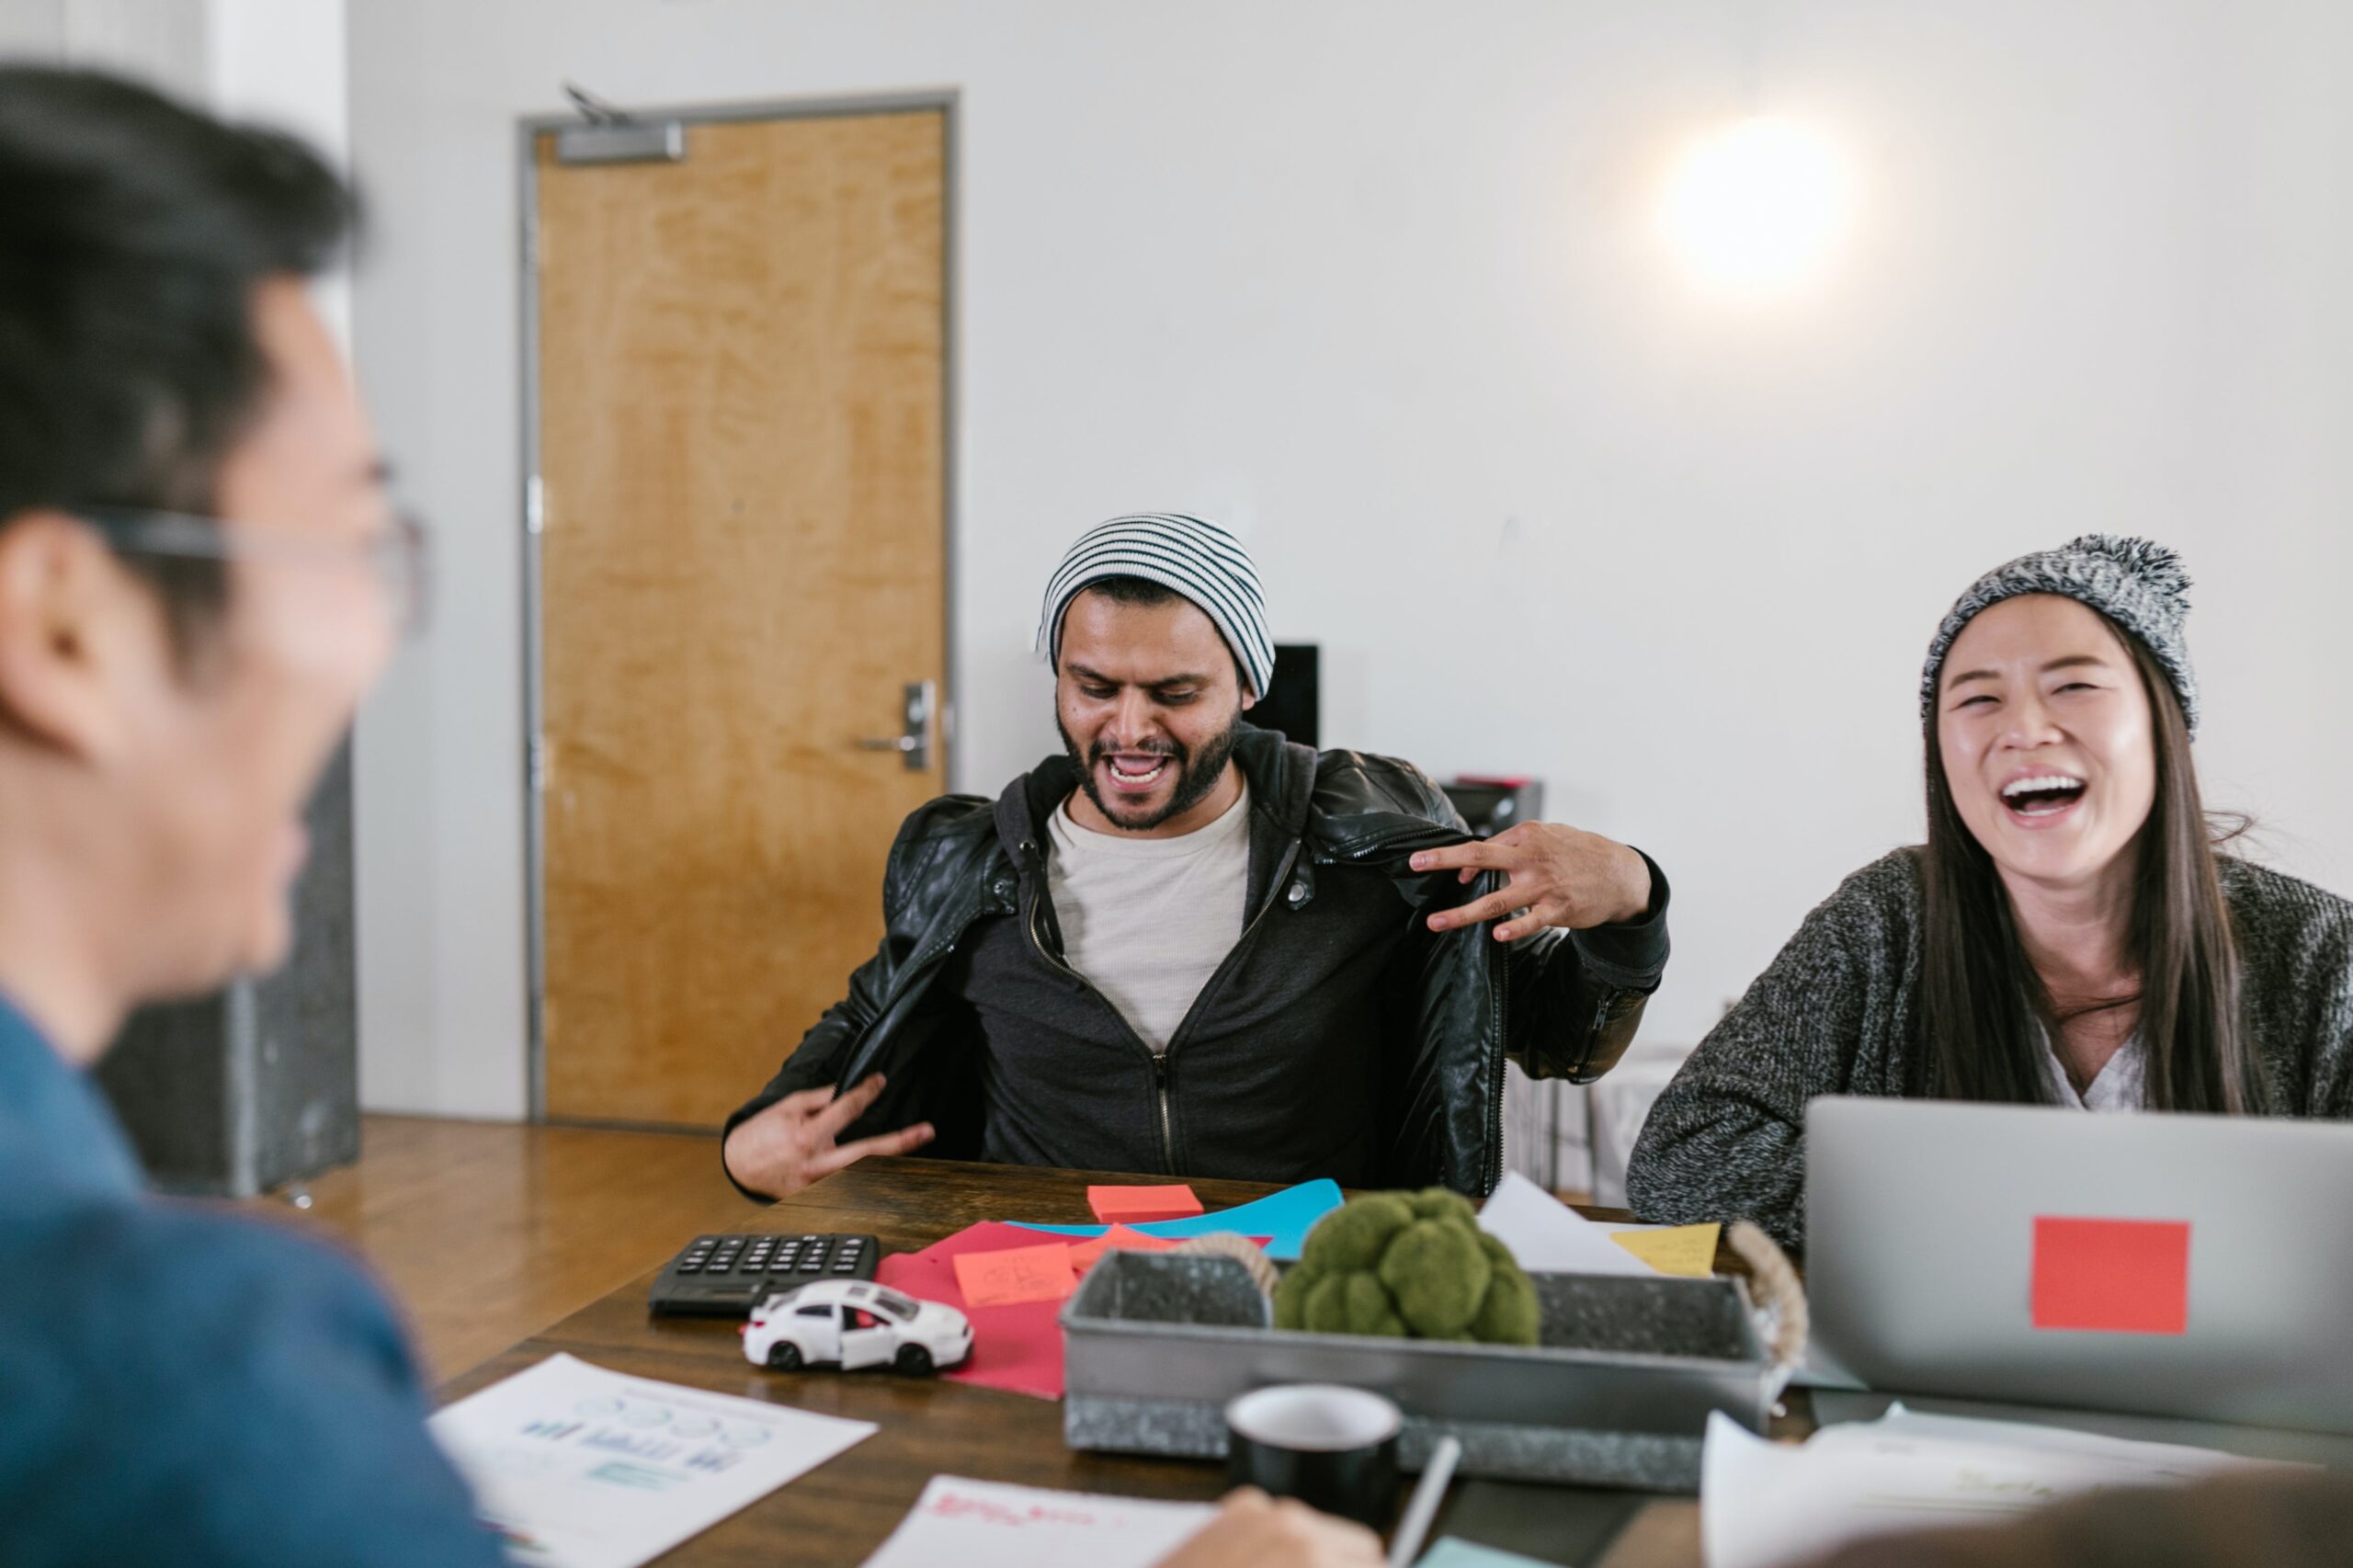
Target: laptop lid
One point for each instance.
(2190, 1265)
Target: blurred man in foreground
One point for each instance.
(199, 579)
(200, 576)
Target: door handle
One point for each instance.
(913, 741)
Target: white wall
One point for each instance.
(162, 41)
(285, 63)
(1376, 282)
(159, 41)
(35, 28)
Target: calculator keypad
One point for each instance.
(726, 1275)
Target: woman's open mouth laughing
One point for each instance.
(2042, 798)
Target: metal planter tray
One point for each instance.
(1617, 1394)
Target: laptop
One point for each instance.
(2186, 1265)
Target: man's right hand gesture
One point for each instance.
(790, 1145)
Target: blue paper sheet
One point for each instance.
(1451, 1553)
(1284, 1217)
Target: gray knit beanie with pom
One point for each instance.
(2138, 586)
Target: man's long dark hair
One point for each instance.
(1981, 1000)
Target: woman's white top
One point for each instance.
(2122, 1083)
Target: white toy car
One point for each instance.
(856, 1323)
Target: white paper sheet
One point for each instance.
(983, 1524)
(582, 1467)
(1764, 1504)
(1549, 1237)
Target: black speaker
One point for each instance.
(1292, 704)
(1493, 804)
(257, 1085)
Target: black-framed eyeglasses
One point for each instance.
(397, 555)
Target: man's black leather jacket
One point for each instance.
(1335, 825)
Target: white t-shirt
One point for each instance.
(1148, 920)
(2121, 1083)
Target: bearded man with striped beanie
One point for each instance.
(1189, 946)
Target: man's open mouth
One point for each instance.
(1137, 771)
(2041, 794)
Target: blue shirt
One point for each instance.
(183, 1387)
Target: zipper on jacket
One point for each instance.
(1209, 987)
(1160, 1057)
(1167, 1140)
(1159, 1062)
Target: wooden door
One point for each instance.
(742, 566)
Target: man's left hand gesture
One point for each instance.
(1561, 876)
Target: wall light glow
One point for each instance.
(1755, 209)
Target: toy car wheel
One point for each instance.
(785, 1355)
(914, 1360)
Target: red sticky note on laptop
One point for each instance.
(2112, 1275)
(1142, 1205)
(1017, 1273)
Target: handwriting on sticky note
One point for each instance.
(2112, 1276)
(1142, 1205)
(1119, 1238)
(1017, 1273)
(1687, 1250)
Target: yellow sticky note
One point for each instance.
(1687, 1249)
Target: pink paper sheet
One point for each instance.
(1018, 1347)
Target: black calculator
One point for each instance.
(726, 1277)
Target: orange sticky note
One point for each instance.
(1142, 1205)
(1018, 1274)
(1686, 1250)
(1119, 1238)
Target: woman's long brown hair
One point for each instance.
(1981, 1000)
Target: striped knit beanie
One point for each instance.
(2140, 585)
(1191, 555)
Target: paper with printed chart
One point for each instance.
(984, 1524)
(1764, 1504)
(578, 1467)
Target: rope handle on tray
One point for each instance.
(1780, 1295)
(1242, 1249)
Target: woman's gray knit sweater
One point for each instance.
(1834, 1015)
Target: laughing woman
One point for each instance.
(2068, 934)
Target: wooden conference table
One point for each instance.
(838, 1514)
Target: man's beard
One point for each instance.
(1197, 773)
